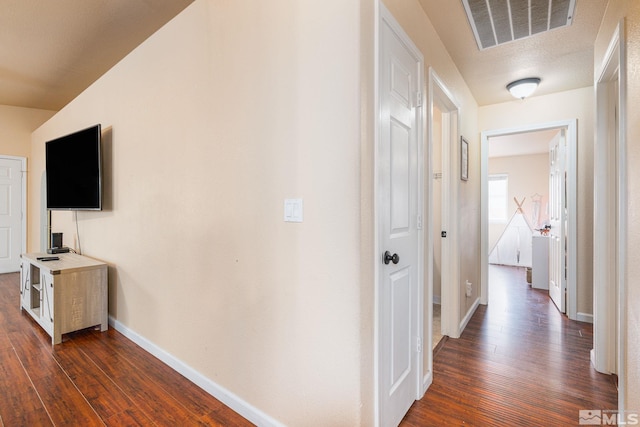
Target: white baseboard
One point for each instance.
(584, 317)
(234, 402)
(426, 382)
(468, 316)
(595, 364)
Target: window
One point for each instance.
(498, 193)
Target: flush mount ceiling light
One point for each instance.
(524, 87)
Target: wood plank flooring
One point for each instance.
(519, 362)
(92, 379)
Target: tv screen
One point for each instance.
(74, 171)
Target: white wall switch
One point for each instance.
(293, 210)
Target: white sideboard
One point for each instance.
(64, 295)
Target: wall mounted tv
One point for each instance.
(74, 171)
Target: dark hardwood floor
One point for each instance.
(519, 362)
(91, 379)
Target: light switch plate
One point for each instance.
(293, 210)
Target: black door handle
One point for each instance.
(393, 258)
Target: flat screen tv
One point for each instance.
(74, 171)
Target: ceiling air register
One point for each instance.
(496, 22)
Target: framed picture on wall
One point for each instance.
(464, 159)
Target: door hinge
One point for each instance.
(419, 222)
(419, 345)
(418, 99)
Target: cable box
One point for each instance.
(57, 250)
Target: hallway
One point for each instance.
(518, 362)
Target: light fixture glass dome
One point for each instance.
(524, 87)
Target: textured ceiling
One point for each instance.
(562, 58)
(521, 144)
(51, 50)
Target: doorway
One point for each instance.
(521, 202)
(569, 263)
(442, 151)
(610, 193)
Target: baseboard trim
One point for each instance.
(584, 317)
(234, 402)
(426, 382)
(468, 316)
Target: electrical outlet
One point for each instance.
(469, 288)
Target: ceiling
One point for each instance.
(562, 58)
(50, 51)
(521, 144)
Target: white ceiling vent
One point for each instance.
(500, 21)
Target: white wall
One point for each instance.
(211, 123)
(578, 103)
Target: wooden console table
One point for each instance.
(64, 295)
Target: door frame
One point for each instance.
(23, 195)
(610, 307)
(383, 15)
(572, 176)
(440, 95)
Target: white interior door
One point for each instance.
(10, 214)
(398, 207)
(557, 216)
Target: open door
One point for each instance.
(557, 216)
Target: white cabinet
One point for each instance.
(33, 297)
(540, 264)
(25, 284)
(64, 295)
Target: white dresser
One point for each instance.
(540, 262)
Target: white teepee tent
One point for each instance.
(514, 247)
